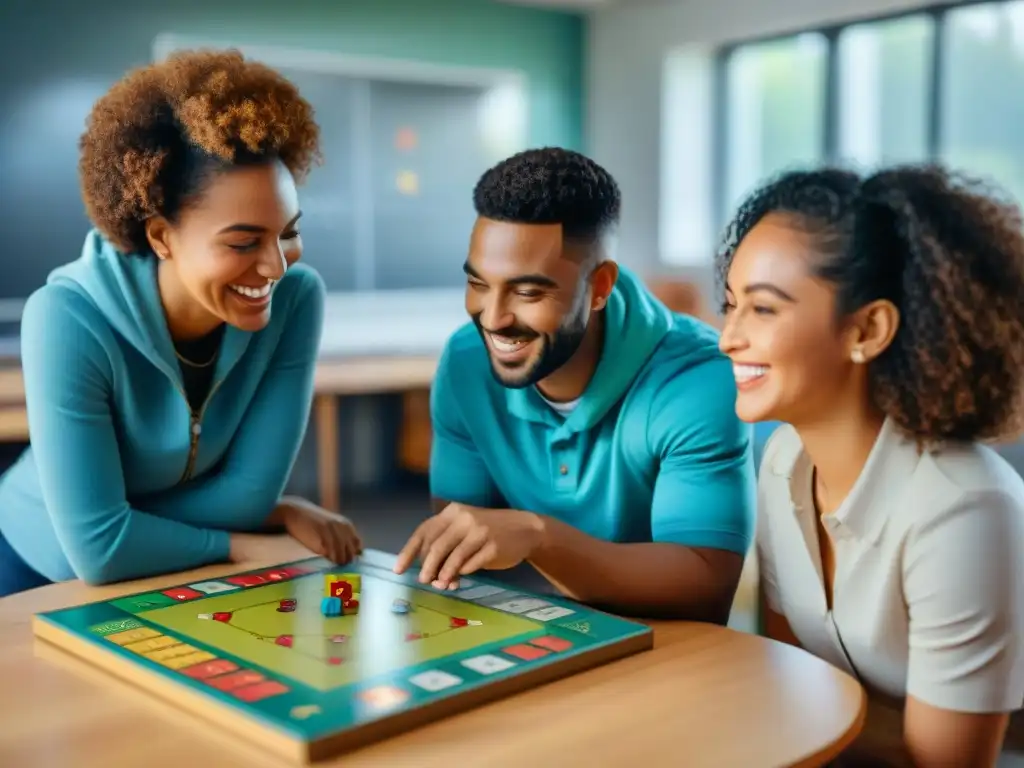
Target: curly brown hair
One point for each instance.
(153, 139)
(948, 251)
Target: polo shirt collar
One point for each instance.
(877, 492)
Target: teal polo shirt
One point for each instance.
(653, 450)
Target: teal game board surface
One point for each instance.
(253, 651)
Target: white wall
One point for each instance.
(628, 48)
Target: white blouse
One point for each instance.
(928, 595)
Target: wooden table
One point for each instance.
(704, 697)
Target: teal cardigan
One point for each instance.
(121, 479)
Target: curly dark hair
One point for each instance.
(550, 186)
(153, 140)
(948, 251)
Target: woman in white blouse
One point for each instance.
(881, 320)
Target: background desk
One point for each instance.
(335, 378)
(705, 697)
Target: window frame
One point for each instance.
(830, 133)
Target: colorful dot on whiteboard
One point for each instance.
(408, 183)
(406, 139)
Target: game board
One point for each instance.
(253, 653)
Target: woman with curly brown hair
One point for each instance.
(169, 369)
(882, 321)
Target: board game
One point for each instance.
(311, 659)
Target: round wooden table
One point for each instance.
(705, 696)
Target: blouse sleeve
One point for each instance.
(964, 585)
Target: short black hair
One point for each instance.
(948, 251)
(550, 185)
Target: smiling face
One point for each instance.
(791, 357)
(226, 252)
(528, 293)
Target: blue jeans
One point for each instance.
(15, 575)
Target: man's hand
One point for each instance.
(323, 532)
(463, 539)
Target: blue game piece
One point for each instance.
(330, 606)
(399, 606)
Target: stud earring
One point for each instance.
(857, 355)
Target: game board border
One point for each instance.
(249, 724)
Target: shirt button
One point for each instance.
(563, 470)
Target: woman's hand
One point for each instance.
(325, 533)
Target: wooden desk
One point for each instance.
(705, 696)
(335, 378)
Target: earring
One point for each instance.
(857, 355)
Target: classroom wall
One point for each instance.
(50, 77)
(628, 45)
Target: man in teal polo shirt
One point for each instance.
(579, 425)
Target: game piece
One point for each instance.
(341, 590)
(249, 668)
(330, 606)
(287, 606)
(398, 605)
(343, 585)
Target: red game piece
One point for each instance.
(286, 606)
(456, 622)
(285, 640)
(334, 660)
(222, 616)
(341, 589)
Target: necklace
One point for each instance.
(194, 364)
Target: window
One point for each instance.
(883, 71)
(946, 83)
(775, 108)
(982, 92)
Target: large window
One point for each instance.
(776, 94)
(939, 84)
